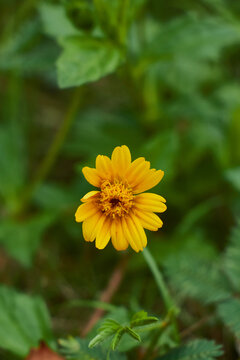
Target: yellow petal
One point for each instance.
(89, 226)
(118, 240)
(103, 235)
(140, 230)
(152, 179)
(89, 195)
(131, 234)
(85, 210)
(121, 159)
(104, 167)
(138, 169)
(149, 220)
(92, 176)
(150, 202)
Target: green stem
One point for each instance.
(122, 31)
(159, 279)
(170, 306)
(55, 147)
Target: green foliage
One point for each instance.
(24, 321)
(55, 21)
(21, 238)
(233, 176)
(77, 349)
(197, 350)
(197, 278)
(111, 328)
(85, 59)
(232, 258)
(171, 93)
(139, 323)
(229, 312)
(194, 36)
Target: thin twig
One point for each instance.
(195, 326)
(106, 296)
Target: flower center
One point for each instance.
(116, 199)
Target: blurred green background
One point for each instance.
(160, 77)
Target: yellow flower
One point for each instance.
(120, 210)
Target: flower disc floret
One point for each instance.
(115, 199)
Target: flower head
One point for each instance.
(119, 210)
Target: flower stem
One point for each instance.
(167, 299)
(159, 279)
(54, 148)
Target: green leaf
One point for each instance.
(233, 176)
(21, 238)
(81, 351)
(85, 60)
(132, 333)
(194, 36)
(196, 350)
(117, 338)
(24, 321)
(141, 318)
(55, 21)
(229, 312)
(107, 329)
(232, 258)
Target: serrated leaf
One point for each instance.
(229, 312)
(132, 333)
(196, 350)
(85, 60)
(24, 321)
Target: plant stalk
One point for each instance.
(54, 148)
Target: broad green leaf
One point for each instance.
(196, 350)
(21, 238)
(85, 60)
(229, 312)
(55, 21)
(24, 321)
(81, 351)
